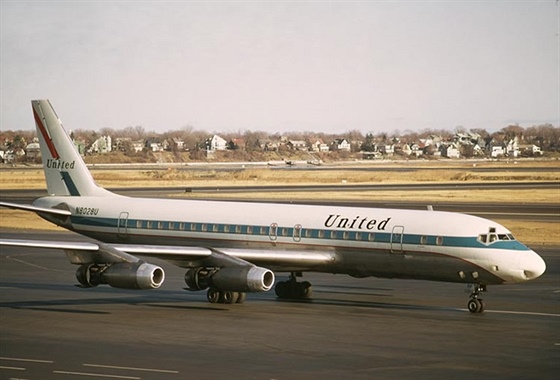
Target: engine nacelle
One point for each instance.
(89, 275)
(243, 279)
(138, 275)
(198, 278)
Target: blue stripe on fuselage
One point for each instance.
(305, 233)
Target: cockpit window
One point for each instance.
(493, 237)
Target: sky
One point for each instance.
(280, 66)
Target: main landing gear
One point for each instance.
(215, 295)
(475, 304)
(292, 289)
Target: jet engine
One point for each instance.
(139, 275)
(234, 278)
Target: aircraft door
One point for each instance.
(122, 226)
(397, 235)
(273, 232)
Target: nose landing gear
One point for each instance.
(475, 304)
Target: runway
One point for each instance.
(353, 328)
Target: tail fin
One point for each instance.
(65, 171)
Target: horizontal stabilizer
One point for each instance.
(53, 211)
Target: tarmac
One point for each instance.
(352, 328)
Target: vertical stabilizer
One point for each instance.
(65, 171)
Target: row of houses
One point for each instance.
(461, 145)
(217, 143)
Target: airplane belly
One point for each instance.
(421, 266)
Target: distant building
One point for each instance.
(496, 151)
(33, 151)
(297, 145)
(342, 144)
(101, 145)
(450, 151)
(319, 146)
(216, 143)
(177, 143)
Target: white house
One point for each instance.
(497, 151)
(101, 145)
(342, 144)
(319, 146)
(216, 143)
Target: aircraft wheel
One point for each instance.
(229, 297)
(307, 289)
(242, 297)
(481, 305)
(475, 305)
(213, 295)
(281, 289)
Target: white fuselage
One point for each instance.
(429, 245)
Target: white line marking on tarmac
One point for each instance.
(12, 368)
(26, 360)
(521, 313)
(96, 375)
(130, 368)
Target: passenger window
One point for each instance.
(439, 240)
(358, 236)
(423, 240)
(249, 230)
(371, 236)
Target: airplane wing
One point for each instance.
(103, 253)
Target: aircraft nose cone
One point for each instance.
(533, 266)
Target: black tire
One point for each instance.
(307, 289)
(242, 297)
(213, 295)
(474, 306)
(229, 297)
(281, 289)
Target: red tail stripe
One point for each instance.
(46, 136)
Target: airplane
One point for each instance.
(234, 248)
